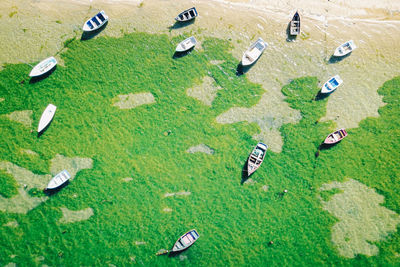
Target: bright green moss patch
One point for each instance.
(8, 185)
(170, 191)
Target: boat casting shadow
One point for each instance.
(39, 134)
(240, 69)
(321, 96)
(334, 59)
(50, 192)
(43, 76)
(289, 37)
(89, 35)
(324, 146)
(182, 54)
(245, 175)
(181, 24)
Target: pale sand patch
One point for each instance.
(24, 117)
(264, 113)
(183, 257)
(217, 62)
(127, 179)
(265, 188)
(11, 264)
(130, 101)
(72, 165)
(202, 148)
(167, 209)
(139, 243)
(1, 99)
(250, 182)
(29, 152)
(71, 216)
(182, 193)
(205, 92)
(12, 224)
(362, 219)
(23, 202)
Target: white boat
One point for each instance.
(186, 241)
(331, 84)
(295, 24)
(58, 180)
(254, 52)
(43, 67)
(186, 44)
(46, 117)
(187, 15)
(345, 49)
(256, 158)
(95, 22)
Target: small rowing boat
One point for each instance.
(295, 24)
(46, 117)
(335, 137)
(58, 180)
(254, 52)
(345, 49)
(186, 44)
(331, 84)
(187, 15)
(183, 242)
(256, 158)
(95, 22)
(43, 67)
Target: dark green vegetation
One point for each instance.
(235, 221)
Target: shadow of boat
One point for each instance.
(181, 24)
(334, 59)
(245, 175)
(289, 37)
(89, 35)
(240, 69)
(50, 192)
(321, 96)
(43, 76)
(39, 134)
(182, 54)
(324, 146)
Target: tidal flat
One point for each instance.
(130, 220)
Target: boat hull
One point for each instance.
(47, 117)
(186, 44)
(187, 15)
(335, 137)
(59, 180)
(185, 241)
(256, 158)
(254, 52)
(43, 67)
(331, 85)
(95, 22)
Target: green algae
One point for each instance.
(236, 222)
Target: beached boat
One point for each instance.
(186, 44)
(95, 22)
(43, 67)
(295, 24)
(256, 158)
(344, 49)
(254, 52)
(335, 136)
(185, 241)
(46, 117)
(187, 15)
(58, 180)
(331, 84)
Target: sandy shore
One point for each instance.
(33, 30)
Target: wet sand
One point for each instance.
(33, 30)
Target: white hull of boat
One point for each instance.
(43, 67)
(186, 240)
(331, 85)
(58, 180)
(46, 117)
(256, 158)
(186, 44)
(95, 22)
(345, 49)
(187, 15)
(254, 52)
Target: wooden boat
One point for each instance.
(331, 84)
(43, 67)
(95, 22)
(58, 180)
(345, 49)
(256, 158)
(254, 52)
(295, 24)
(46, 117)
(185, 241)
(187, 15)
(335, 137)
(186, 44)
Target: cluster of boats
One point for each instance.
(250, 56)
